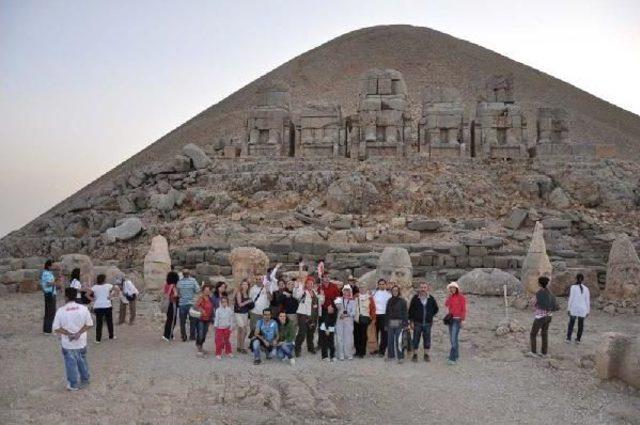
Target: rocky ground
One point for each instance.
(141, 379)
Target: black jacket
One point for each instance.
(397, 309)
(419, 313)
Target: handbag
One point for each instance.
(447, 319)
(195, 313)
(131, 297)
(252, 304)
(164, 305)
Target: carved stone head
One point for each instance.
(394, 265)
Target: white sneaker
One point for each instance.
(532, 354)
(350, 358)
(326, 359)
(333, 359)
(230, 355)
(70, 388)
(97, 342)
(165, 338)
(219, 357)
(292, 361)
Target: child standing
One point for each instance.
(222, 324)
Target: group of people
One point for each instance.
(277, 317)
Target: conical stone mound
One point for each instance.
(536, 263)
(623, 271)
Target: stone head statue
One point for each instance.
(248, 263)
(394, 265)
(623, 271)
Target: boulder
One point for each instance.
(128, 229)
(198, 157)
(516, 218)
(112, 273)
(352, 194)
(81, 261)
(248, 263)
(157, 263)
(181, 163)
(488, 282)
(556, 223)
(558, 199)
(536, 263)
(618, 356)
(424, 225)
(166, 201)
(623, 271)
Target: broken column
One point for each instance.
(499, 129)
(442, 128)
(623, 271)
(552, 132)
(536, 263)
(270, 129)
(381, 126)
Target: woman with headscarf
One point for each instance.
(346, 307)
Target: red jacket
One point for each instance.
(457, 305)
(331, 292)
(206, 307)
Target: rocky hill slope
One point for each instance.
(426, 58)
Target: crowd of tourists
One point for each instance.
(275, 318)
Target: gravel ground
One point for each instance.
(141, 379)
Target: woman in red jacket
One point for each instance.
(457, 305)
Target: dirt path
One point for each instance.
(141, 379)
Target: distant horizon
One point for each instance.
(87, 86)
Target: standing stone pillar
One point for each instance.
(536, 263)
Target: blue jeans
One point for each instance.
(285, 350)
(201, 332)
(392, 344)
(75, 362)
(425, 331)
(184, 313)
(257, 346)
(454, 331)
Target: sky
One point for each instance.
(86, 84)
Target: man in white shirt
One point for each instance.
(260, 296)
(71, 322)
(128, 297)
(381, 297)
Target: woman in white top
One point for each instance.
(102, 293)
(579, 306)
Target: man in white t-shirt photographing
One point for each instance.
(71, 322)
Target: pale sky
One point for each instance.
(86, 84)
